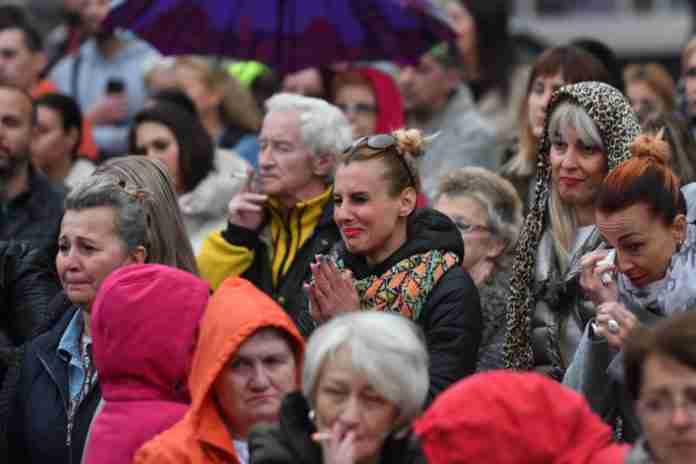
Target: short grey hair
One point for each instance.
(496, 195)
(105, 191)
(570, 114)
(324, 128)
(388, 348)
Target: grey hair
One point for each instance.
(387, 348)
(324, 128)
(570, 114)
(105, 191)
(564, 224)
(494, 193)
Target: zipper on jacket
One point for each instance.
(68, 438)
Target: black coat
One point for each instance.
(34, 216)
(451, 317)
(39, 421)
(27, 286)
(290, 441)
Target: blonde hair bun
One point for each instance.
(410, 142)
(652, 148)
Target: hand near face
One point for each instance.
(596, 283)
(109, 109)
(332, 292)
(247, 208)
(625, 320)
(338, 446)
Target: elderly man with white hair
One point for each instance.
(283, 218)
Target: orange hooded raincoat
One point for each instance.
(235, 311)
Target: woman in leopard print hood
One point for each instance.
(588, 129)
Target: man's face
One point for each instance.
(15, 131)
(19, 66)
(74, 6)
(424, 86)
(287, 168)
(94, 14)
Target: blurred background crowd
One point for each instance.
(348, 231)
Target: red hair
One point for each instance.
(645, 178)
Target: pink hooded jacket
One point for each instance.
(144, 325)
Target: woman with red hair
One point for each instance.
(645, 276)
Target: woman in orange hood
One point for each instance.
(249, 355)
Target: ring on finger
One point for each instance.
(613, 326)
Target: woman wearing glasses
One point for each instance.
(661, 374)
(396, 258)
(370, 99)
(488, 212)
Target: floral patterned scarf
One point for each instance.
(406, 286)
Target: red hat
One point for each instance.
(506, 417)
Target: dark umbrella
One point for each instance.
(288, 35)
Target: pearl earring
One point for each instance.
(312, 415)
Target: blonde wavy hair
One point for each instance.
(238, 106)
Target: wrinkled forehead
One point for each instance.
(632, 220)
(281, 125)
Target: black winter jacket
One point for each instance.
(290, 441)
(288, 292)
(39, 418)
(451, 317)
(35, 215)
(27, 286)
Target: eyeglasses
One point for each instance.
(662, 408)
(380, 143)
(466, 228)
(357, 108)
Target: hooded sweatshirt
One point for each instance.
(234, 313)
(505, 417)
(144, 324)
(390, 107)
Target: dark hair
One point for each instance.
(672, 338)
(606, 56)
(645, 178)
(17, 17)
(69, 111)
(494, 48)
(196, 148)
(176, 97)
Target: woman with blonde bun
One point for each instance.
(396, 258)
(645, 276)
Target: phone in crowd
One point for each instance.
(115, 85)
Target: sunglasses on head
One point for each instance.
(380, 143)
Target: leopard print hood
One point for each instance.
(618, 126)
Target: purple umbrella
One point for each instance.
(288, 35)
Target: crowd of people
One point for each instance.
(479, 257)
